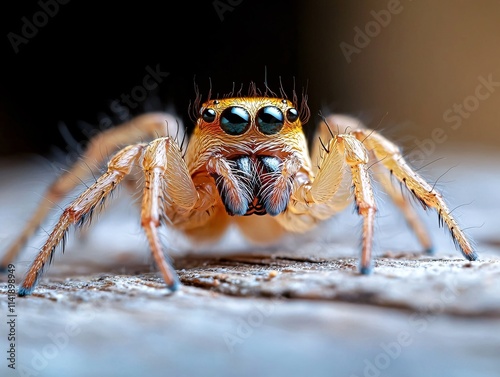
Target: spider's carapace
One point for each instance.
(246, 162)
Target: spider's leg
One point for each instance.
(383, 177)
(314, 201)
(357, 158)
(389, 156)
(139, 129)
(118, 167)
(167, 180)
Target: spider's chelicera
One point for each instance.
(247, 156)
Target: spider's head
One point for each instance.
(243, 143)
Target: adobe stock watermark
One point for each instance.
(137, 95)
(40, 358)
(363, 37)
(224, 6)
(32, 25)
(454, 116)
(418, 322)
(247, 325)
(120, 106)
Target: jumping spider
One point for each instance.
(246, 156)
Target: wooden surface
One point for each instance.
(298, 309)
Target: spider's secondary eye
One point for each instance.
(270, 120)
(235, 120)
(209, 115)
(292, 115)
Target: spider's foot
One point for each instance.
(365, 270)
(472, 256)
(430, 250)
(173, 284)
(3, 269)
(25, 291)
(176, 284)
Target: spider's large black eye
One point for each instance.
(292, 115)
(209, 115)
(235, 120)
(270, 120)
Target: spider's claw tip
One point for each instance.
(472, 256)
(430, 250)
(23, 291)
(365, 270)
(175, 285)
(3, 269)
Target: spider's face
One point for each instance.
(243, 144)
(248, 125)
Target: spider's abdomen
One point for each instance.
(258, 185)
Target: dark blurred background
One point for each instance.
(88, 54)
(406, 62)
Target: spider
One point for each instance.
(246, 162)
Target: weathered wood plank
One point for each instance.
(294, 311)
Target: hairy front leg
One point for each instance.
(170, 196)
(314, 199)
(389, 156)
(118, 167)
(342, 124)
(139, 129)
